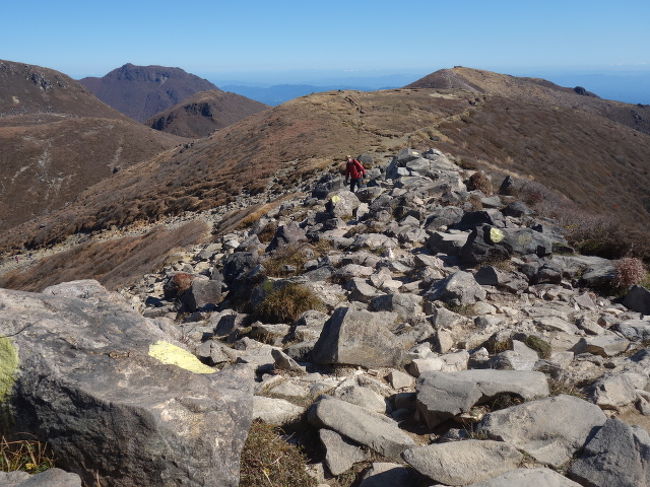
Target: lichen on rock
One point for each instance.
(8, 366)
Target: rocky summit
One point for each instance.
(418, 332)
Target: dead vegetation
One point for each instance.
(114, 263)
(269, 460)
(30, 456)
(285, 304)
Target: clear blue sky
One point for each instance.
(91, 37)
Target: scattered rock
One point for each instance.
(441, 396)
(533, 427)
(463, 462)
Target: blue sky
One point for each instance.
(296, 40)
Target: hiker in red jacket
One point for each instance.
(354, 172)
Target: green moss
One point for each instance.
(8, 366)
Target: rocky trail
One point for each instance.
(415, 333)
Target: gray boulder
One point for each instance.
(637, 330)
(203, 295)
(441, 396)
(357, 337)
(617, 456)
(489, 243)
(458, 289)
(451, 242)
(340, 454)
(534, 428)
(509, 281)
(533, 477)
(89, 290)
(287, 235)
(389, 475)
(111, 393)
(342, 204)
(373, 430)
(463, 462)
(407, 306)
(50, 478)
(275, 411)
(638, 299)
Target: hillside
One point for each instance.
(203, 113)
(598, 163)
(58, 139)
(532, 90)
(143, 91)
(29, 89)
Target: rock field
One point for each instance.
(422, 333)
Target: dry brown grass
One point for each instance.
(114, 263)
(270, 461)
(287, 303)
(28, 455)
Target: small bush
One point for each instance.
(480, 181)
(629, 271)
(28, 455)
(563, 386)
(292, 255)
(286, 304)
(268, 460)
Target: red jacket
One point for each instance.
(354, 169)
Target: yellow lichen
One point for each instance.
(496, 235)
(8, 366)
(173, 355)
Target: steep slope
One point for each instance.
(29, 89)
(598, 163)
(142, 91)
(58, 139)
(536, 90)
(204, 112)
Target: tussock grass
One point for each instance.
(270, 461)
(286, 304)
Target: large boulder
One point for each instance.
(373, 430)
(287, 235)
(617, 456)
(550, 430)
(441, 396)
(112, 394)
(534, 477)
(463, 462)
(357, 337)
(638, 299)
(342, 204)
(458, 289)
(489, 243)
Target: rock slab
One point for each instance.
(110, 393)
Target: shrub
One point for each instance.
(285, 304)
(28, 455)
(268, 460)
(293, 255)
(480, 181)
(629, 271)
